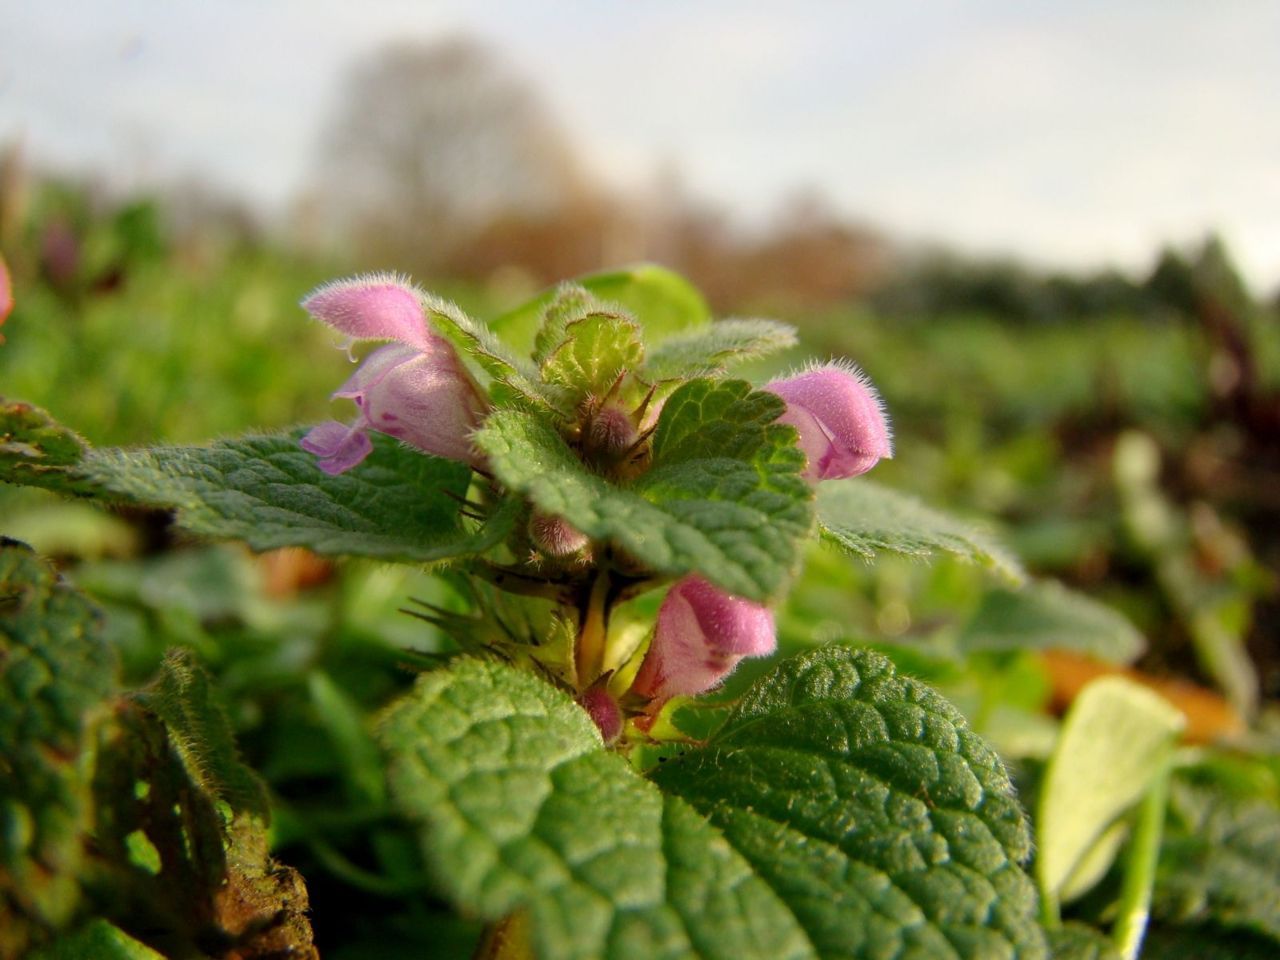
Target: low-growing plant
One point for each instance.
(615, 521)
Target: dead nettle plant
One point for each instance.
(618, 518)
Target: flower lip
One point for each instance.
(338, 446)
(840, 419)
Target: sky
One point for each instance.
(1073, 134)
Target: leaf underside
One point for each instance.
(867, 519)
(1220, 863)
(1047, 616)
(399, 504)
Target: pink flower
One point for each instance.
(701, 635)
(840, 419)
(416, 390)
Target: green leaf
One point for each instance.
(1045, 615)
(865, 518)
(340, 716)
(1220, 863)
(518, 807)
(710, 350)
(1076, 941)
(724, 496)
(268, 492)
(515, 379)
(169, 785)
(568, 302)
(1205, 943)
(663, 302)
(97, 940)
(887, 827)
(56, 674)
(1115, 739)
(595, 349)
(34, 448)
(182, 696)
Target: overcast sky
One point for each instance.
(1073, 133)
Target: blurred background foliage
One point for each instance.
(1118, 432)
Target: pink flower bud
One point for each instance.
(612, 431)
(423, 397)
(604, 710)
(701, 635)
(840, 419)
(377, 306)
(6, 291)
(556, 536)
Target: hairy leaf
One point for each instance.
(55, 675)
(1075, 941)
(866, 518)
(567, 303)
(663, 303)
(724, 496)
(266, 490)
(1220, 863)
(515, 381)
(596, 348)
(887, 827)
(710, 350)
(1205, 943)
(183, 698)
(1047, 616)
(35, 448)
(518, 807)
(169, 782)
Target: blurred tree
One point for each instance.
(430, 145)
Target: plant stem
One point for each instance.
(1140, 866)
(508, 939)
(589, 650)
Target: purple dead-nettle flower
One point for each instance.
(416, 390)
(702, 633)
(840, 418)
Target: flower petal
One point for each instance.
(430, 402)
(371, 307)
(339, 446)
(701, 635)
(373, 369)
(853, 433)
